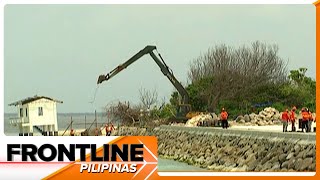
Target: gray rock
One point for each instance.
(290, 155)
(239, 118)
(276, 167)
(311, 153)
(214, 116)
(297, 148)
(298, 164)
(291, 163)
(266, 166)
(312, 167)
(301, 154)
(252, 165)
(305, 164)
(246, 118)
(282, 158)
(252, 116)
(285, 165)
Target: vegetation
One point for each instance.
(247, 79)
(242, 80)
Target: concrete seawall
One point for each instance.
(233, 150)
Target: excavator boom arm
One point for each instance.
(163, 67)
(119, 68)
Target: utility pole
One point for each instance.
(95, 117)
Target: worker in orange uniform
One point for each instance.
(310, 120)
(305, 119)
(224, 118)
(285, 119)
(293, 118)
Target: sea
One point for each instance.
(80, 121)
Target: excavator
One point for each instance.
(184, 111)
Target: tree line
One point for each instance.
(242, 80)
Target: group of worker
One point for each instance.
(290, 117)
(287, 117)
(108, 127)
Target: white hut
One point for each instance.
(37, 113)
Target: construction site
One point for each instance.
(265, 140)
(259, 141)
(234, 86)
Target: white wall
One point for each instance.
(49, 116)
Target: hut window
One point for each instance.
(21, 112)
(40, 111)
(26, 112)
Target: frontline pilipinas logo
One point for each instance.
(132, 157)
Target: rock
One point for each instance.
(239, 118)
(243, 168)
(242, 121)
(246, 118)
(311, 153)
(291, 163)
(312, 167)
(252, 165)
(304, 164)
(207, 149)
(290, 155)
(214, 116)
(252, 116)
(276, 167)
(285, 165)
(297, 148)
(241, 161)
(282, 158)
(266, 166)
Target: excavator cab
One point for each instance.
(184, 113)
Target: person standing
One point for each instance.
(107, 129)
(305, 119)
(293, 118)
(310, 120)
(224, 118)
(285, 119)
(110, 129)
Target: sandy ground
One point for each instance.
(270, 128)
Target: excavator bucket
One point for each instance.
(101, 79)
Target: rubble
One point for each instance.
(268, 116)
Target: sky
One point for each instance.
(60, 50)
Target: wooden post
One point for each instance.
(71, 123)
(95, 117)
(85, 122)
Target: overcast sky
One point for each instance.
(60, 50)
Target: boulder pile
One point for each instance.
(268, 116)
(202, 118)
